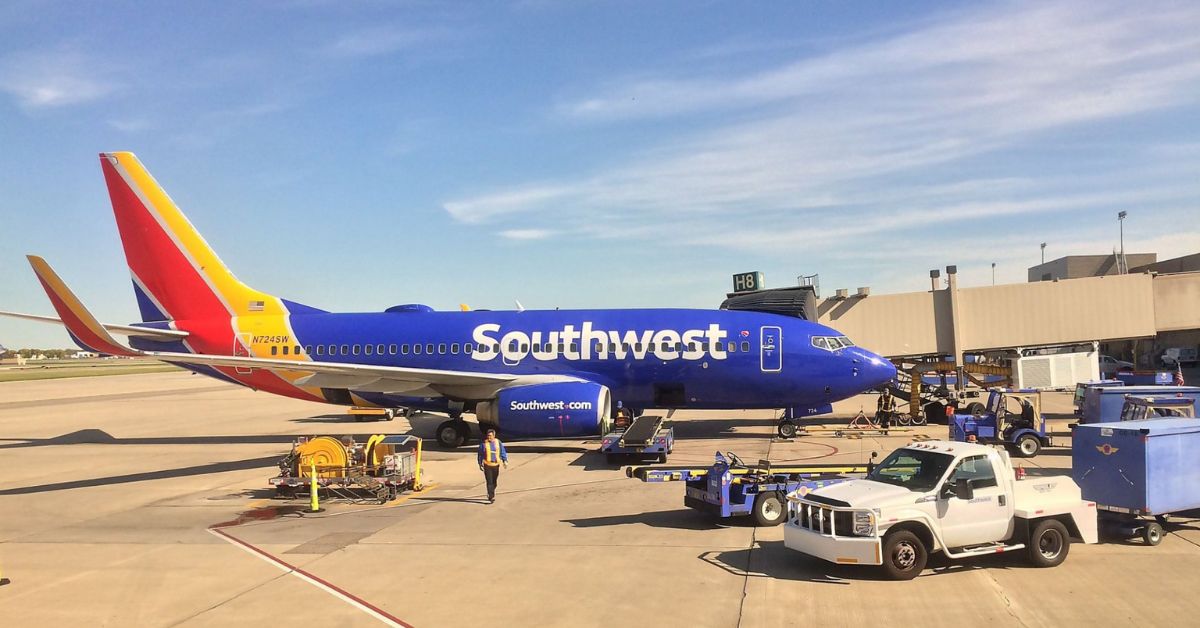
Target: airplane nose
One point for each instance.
(874, 369)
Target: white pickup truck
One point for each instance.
(962, 499)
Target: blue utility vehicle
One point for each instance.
(1011, 417)
(731, 488)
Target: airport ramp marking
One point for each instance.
(330, 588)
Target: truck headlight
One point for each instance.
(864, 523)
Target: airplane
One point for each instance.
(529, 374)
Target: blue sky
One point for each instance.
(356, 155)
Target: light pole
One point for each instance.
(1121, 222)
(993, 273)
(1043, 252)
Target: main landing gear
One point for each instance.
(453, 433)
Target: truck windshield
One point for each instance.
(914, 469)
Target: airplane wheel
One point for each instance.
(787, 429)
(450, 435)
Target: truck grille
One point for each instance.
(823, 520)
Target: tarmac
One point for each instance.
(109, 488)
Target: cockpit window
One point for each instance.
(831, 343)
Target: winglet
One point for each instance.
(85, 330)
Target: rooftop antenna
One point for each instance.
(520, 308)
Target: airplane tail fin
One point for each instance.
(176, 275)
(85, 330)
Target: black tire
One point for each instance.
(769, 510)
(904, 555)
(976, 408)
(1152, 534)
(935, 412)
(450, 435)
(1027, 446)
(787, 429)
(662, 458)
(1049, 543)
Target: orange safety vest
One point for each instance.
(491, 453)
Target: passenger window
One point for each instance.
(354, 349)
(732, 346)
(416, 349)
(575, 347)
(429, 348)
(345, 349)
(368, 349)
(625, 345)
(513, 346)
(320, 349)
(392, 349)
(745, 345)
(454, 349)
(562, 347)
(524, 349)
(274, 350)
(378, 349)
(691, 346)
(599, 347)
(612, 347)
(442, 348)
(297, 349)
(666, 346)
(285, 349)
(977, 469)
(637, 346)
(467, 348)
(308, 349)
(404, 349)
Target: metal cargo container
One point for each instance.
(1139, 467)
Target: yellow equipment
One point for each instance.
(383, 465)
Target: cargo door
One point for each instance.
(770, 341)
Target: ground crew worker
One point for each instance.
(491, 455)
(885, 408)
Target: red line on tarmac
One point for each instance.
(337, 591)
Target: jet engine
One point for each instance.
(549, 410)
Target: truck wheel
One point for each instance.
(769, 510)
(904, 555)
(976, 408)
(1028, 446)
(662, 458)
(1152, 533)
(787, 429)
(1049, 543)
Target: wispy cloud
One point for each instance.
(55, 78)
(382, 40)
(832, 144)
(526, 234)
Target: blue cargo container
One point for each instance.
(1103, 404)
(1146, 378)
(1137, 468)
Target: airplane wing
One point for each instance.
(88, 332)
(125, 330)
